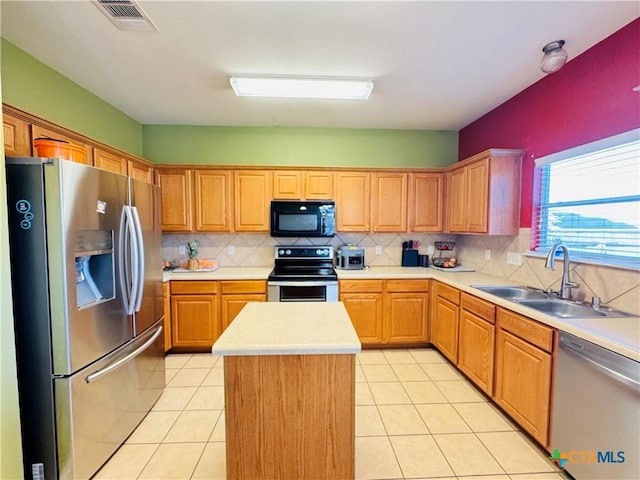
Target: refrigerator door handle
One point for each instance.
(128, 260)
(124, 272)
(92, 377)
(139, 265)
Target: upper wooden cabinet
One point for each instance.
(388, 202)
(483, 194)
(213, 201)
(38, 132)
(109, 161)
(425, 202)
(177, 199)
(17, 138)
(302, 185)
(352, 201)
(140, 171)
(252, 200)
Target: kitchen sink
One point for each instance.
(515, 294)
(550, 304)
(563, 308)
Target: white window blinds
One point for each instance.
(592, 202)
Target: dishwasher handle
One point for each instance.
(572, 348)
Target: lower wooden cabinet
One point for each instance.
(444, 320)
(166, 298)
(387, 312)
(363, 301)
(476, 341)
(194, 314)
(236, 294)
(523, 372)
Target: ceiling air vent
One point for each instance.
(126, 15)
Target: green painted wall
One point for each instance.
(10, 447)
(299, 146)
(32, 86)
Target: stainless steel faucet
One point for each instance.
(567, 284)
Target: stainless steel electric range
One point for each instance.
(303, 274)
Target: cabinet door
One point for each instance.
(140, 171)
(252, 200)
(389, 202)
(232, 304)
(17, 142)
(365, 311)
(406, 317)
(477, 196)
(456, 192)
(444, 328)
(109, 162)
(318, 185)
(175, 187)
(352, 201)
(37, 132)
(425, 202)
(212, 190)
(476, 350)
(166, 297)
(523, 383)
(287, 185)
(193, 320)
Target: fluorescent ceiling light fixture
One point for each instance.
(302, 87)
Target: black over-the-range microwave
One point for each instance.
(303, 218)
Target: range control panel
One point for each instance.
(307, 251)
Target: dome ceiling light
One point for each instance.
(554, 56)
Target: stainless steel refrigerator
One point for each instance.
(86, 272)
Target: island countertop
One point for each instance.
(289, 328)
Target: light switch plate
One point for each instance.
(232, 249)
(182, 250)
(487, 254)
(378, 250)
(430, 249)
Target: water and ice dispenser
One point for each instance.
(95, 268)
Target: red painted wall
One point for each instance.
(590, 98)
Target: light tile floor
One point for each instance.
(416, 417)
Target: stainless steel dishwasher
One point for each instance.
(596, 419)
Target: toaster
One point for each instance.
(350, 257)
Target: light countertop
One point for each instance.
(621, 335)
(296, 328)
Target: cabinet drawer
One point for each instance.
(529, 330)
(445, 291)
(482, 308)
(407, 285)
(360, 286)
(243, 286)
(182, 287)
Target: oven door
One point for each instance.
(303, 291)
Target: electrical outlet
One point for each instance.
(182, 250)
(487, 254)
(430, 249)
(232, 249)
(514, 258)
(378, 250)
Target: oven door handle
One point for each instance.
(302, 284)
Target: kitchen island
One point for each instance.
(289, 377)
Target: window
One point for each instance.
(589, 197)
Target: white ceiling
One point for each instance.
(435, 65)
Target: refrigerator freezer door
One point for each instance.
(84, 208)
(145, 198)
(98, 407)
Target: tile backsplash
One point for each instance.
(616, 287)
(257, 249)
